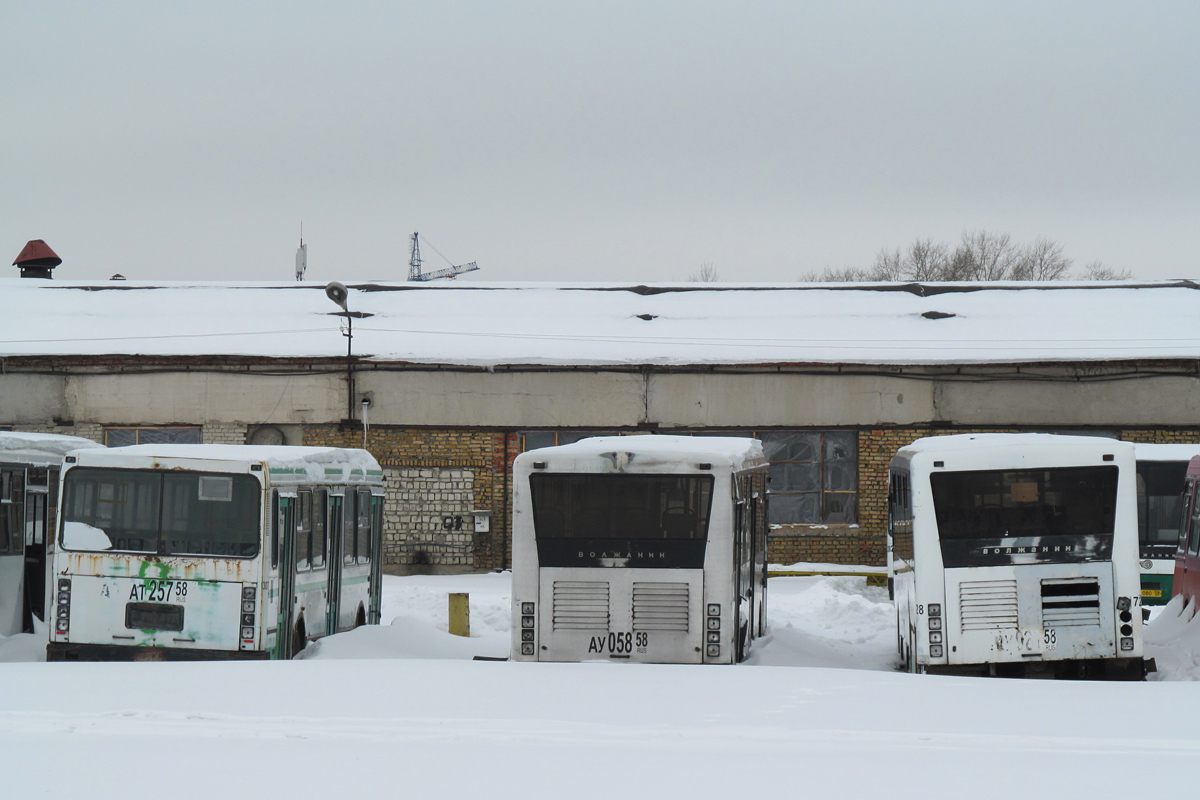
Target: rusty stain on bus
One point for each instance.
(120, 565)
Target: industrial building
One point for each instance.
(445, 384)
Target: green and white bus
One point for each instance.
(1161, 469)
(29, 464)
(179, 552)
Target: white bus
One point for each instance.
(172, 552)
(29, 464)
(640, 548)
(1016, 554)
(1161, 469)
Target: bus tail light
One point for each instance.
(248, 615)
(528, 622)
(713, 626)
(935, 631)
(63, 612)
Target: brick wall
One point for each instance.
(480, 452)
(223, 433)
(427, 517)
(88, 430)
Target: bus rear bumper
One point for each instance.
(67, 651)
(1112, 669)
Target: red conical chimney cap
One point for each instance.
(37, 254)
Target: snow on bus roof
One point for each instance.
(310, 463)
(726, 451)
(1165, 452)
(973, 441)
(40, 449)
(487, 324)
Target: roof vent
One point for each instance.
(937, 315)
(117, 277)
(647, 317)
(37, 260)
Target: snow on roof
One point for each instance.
(653, 450)
(318, 464)
(487, 324)
(39, 449)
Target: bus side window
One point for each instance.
(349, 518)
(319, 543)
(303, 544)
(363, 548)
(5, 510)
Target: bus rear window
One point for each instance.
(1064, 513)
(625, 507)
(168, 513)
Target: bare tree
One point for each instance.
(927, 260)
(843, 275)
(1043, 260)
(980, 256)
(1097, 271)
(984, 256)
(889, 266)
(706, 274)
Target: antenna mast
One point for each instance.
(414, 266)
(301, 256)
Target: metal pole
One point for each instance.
(349, 366)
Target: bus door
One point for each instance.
(317, 609)
(37, 509)
(283, 535)
(1187, 556)
(743, 565)
(355, 579)
(12, 549)
(376, 555)
(334, 560)
(758, 525)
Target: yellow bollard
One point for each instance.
(460, 614)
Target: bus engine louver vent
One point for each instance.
(1070, 602)
(580, 606)
(988, 605)
(660, 607)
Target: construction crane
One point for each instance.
(414, 266)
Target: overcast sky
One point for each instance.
(593, 140)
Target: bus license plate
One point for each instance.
(620, 643)
(1151, 592)
(1028, 640)
(156, 590)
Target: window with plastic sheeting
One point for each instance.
(814, 477)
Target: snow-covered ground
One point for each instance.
(401, 710)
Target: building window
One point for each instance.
(814, 474)
(120, 437)
(532, 440)
(813, 477)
